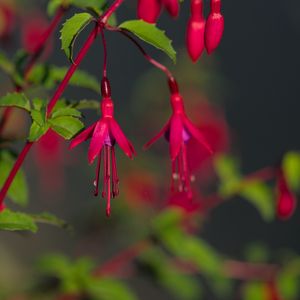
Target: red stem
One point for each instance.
(126, 256)
(104, 18)
(143, 51)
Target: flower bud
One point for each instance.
(214, 27)
(195, 31)
(149, 10)
(172, 6)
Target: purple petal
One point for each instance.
(97, 142)
(196, 133)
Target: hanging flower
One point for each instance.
(149, 10)
(7, 18)
(104, 135)
(178, 131)
(286, 202)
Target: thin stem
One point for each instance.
(104, 18)
(143, 51)
(104, 52)
(122, 258)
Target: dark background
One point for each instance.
(258, 60)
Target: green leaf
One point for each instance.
(169, 276)
(47, 218)
(254, 290)
(291, 169)
(18, 191)
(15, 99)
(262, 197)
(87, 104)
(67, 111)
(53, 5)
(16, 221)
(66, 126)
(108, 289)
(150, 34)
(37, 131)
(288, 285)
(70, 31)
(38, 117)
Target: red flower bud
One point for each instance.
(195, 30)
(286, 202)
(214, 27)
(172, 6)
(149, 10)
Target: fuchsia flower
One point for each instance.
(195, 30)
(214, 26)
(286, 202)
(178, 131)
(149, 10)
(104, 134)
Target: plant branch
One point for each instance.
(60, 89)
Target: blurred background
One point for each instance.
(245, 99)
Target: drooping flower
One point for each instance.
(172, 7)
(178, 131)
(195, 30)
(182, 201)
(149, 10)
(104, 134)
(286, 201)
(214, 26)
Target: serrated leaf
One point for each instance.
(291, 169)
(18, 191)
(70, 31)
(16, 100)
(38, 117)
(66, 126)
(37, 131)
(16, 221)
(151, 35)
(67, 111)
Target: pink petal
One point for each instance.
(97, 142)
(158, 136)
(176, 132)
(121, 139)
(83, 136)
(196, 133)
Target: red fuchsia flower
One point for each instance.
(178, 131)
(172, 6)
(7, 19)
(195, 30)
(33, 28)
(214, 26)
(286, 202)
(104, 134)
(149, 10)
